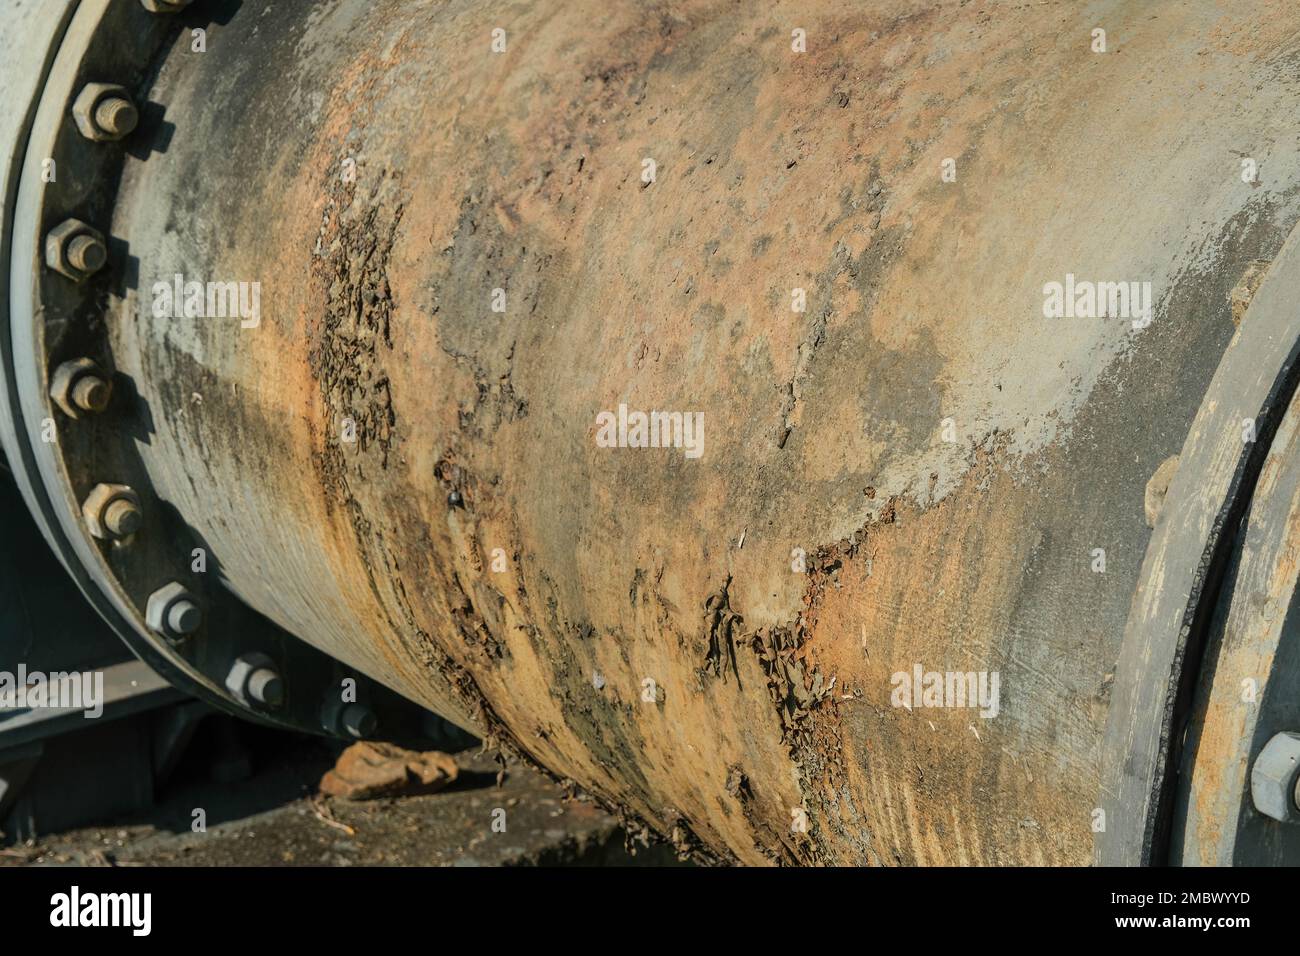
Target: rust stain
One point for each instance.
(769, 694)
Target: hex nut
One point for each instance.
(173, 612)
(79, 386)
(104, 112)
(164, 6)
(112, 512)
(1274, 776)
(254, 681)
(75, 249)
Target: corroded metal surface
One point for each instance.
(945, 459)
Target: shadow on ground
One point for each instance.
(247, 796)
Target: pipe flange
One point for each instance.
(56, 366)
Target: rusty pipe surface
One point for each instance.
(827, 231)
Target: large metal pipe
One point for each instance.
(830, 231)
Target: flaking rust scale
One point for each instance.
(823, 434)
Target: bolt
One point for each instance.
(173, 612)
(184, 617)
(253, 679)
(79, 385)
(90, 394)
(112, 511)
(265, 687)
(87, 253)
(116, 116)
(358, 720)
(122, 518)
(75, 249)
(353, 719)
(104, 112)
